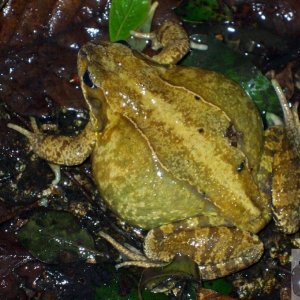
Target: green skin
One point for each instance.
(183, 156)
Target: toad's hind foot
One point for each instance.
(291, 117)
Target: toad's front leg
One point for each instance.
(171, 38)
(59, 150)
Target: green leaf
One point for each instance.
(221, 286)
(51, 234)
(111, 291)
(138, 43)
(220, 58)
(125, 16)
(203, 10)
(164, 279)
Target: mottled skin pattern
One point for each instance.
(60, 150)
(216, 242)
(285, 211)
(181, 148)
(173, 41)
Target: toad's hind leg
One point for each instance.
(286, 187)
(286, 165)
(218, 250)
(59, 150)
(279, 180)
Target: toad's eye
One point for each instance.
(86, 78)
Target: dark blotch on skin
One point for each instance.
(201, 130)
(232, 135)
(241, 167)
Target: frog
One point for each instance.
(180, 152)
